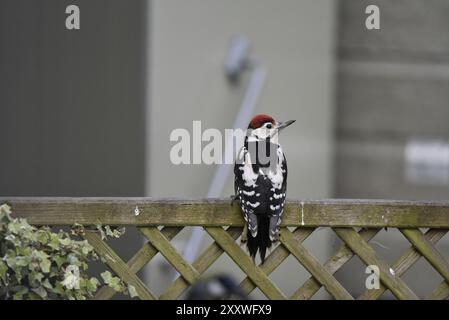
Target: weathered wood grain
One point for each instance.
(162, 244)
(408, 259)
(343, 255)
(118, 265)
(213, 214)
(275, 258)
(216, 212)
(201, 264)
(367, 254)
(245, 263)
(428, 251)
(440, 293)
(138, 261)
(314, 267)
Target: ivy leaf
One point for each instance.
(107, 276)
(47, 284)
(41, 255)
(132, 291)
(73, 259)
(3, 270)
(40, 291)
(59, 289)
(45, 265)
(22, 261)
(92, 284)
(115, 284)
(99, 228)
(14, 226)
(109, 231)
(119, 232)
(43, 237)
(79, 296)
(86, 249)
(54, 242)
(59, 260)
(77, 229)
(37, 263)
(65, 241)
(35, 278)
(71, 277)
(20, 291)
(5, 211)
(23, 251)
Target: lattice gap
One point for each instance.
(289, 284)
(318, 244)
(387, 295)
(224, 264)
(389, 244)
(321, 294)
(422, 285)
(256, 294)
(152, 271)
(352, 276)
(443, 245)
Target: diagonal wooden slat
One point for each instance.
(227, 243)
(118, 265)
(343, 255)
(138, 261)
(276, 258)
(201, 264)
(440, 293)
(409, 258)
(161, 243)
(367, 254)
(428, 251)
(314, 267)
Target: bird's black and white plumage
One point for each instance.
(261, 183)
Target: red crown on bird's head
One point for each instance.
(258, 121)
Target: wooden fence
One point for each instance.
(355, 222)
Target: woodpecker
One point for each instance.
(260, 183)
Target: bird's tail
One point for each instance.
(262, 240)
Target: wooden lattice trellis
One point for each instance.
(355, 222)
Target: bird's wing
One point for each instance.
(277, 200)
(246, 190)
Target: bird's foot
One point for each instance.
(244, 237)
(234, 198)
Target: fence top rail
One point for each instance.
(219, 212)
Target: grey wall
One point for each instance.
(72, 102)
(393, 86)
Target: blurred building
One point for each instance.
(392, 137)
(89, 112)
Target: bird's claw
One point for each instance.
(244, 237)
(233, 199)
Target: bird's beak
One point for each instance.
(284, 124)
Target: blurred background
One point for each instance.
(89, 112)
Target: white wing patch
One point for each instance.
(254, 205)
(248, 175)
(277, 177)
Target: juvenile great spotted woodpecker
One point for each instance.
(260, 183)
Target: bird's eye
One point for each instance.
(269, 125)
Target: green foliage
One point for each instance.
(36, 263)
(107, 231)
